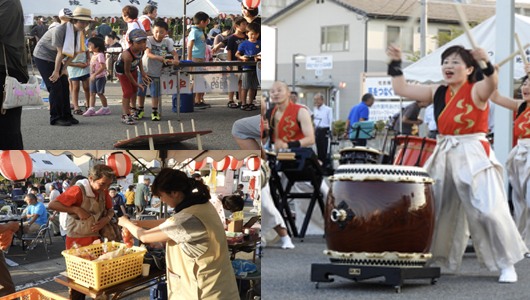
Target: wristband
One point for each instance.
(295, 144)
(394, 68)
(489, 70)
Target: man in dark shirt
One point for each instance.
(3, 190)
(239, 191)
(39, 30)
(410, 117)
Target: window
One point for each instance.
(394, 36)
(335, 38)
(444, 36)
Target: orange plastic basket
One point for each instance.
(34, 294)
(102, 274)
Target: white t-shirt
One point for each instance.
(130, 26)
(153, 67)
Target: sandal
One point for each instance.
(246, 107)
(234, 105)
(253, 107)
(230, 103)
(77, 112)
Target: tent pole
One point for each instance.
(184, 33)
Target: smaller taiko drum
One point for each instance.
(358, 155)
(413, 150)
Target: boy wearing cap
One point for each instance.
(197, 48)
(126, 68)
(158, 46)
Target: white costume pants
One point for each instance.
(470, 199)
(518, 168)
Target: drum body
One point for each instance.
(379, 208)
(409, 149)
(358, 155)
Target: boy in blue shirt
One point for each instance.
(197, 48)
(36, 214)
(249, 50)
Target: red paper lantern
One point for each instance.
(113, 20)
(75, 174)
(251, 3)
(188, 21)
(166, 19)
(15, 165)
(222, 16)
(120, 163)
(46, 174)
(195, 165)
(236, 164)
(59, 173)
(222, 164)
(253, 163)
(95, 19)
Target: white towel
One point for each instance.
(68, 45)
(88, 188)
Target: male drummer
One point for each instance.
(291, 122)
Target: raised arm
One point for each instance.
(423, 93)
(483, 89)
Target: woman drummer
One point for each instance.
(198, 266)
(468, 189)
(518, 162)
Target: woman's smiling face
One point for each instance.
(454, 69)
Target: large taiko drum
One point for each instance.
(413, 150)
(379, 215)
(358, 155)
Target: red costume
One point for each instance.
(521, 127)
(288, 128)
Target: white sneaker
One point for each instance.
(287, 243)
(508, 275)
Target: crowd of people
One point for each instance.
(82, 206)
(72, 52)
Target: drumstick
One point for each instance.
(406, 31)
(465, 25)
(521, 49)
(507, 59)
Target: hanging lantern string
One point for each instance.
(193, 159)
(143, 165)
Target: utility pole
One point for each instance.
(423, 28)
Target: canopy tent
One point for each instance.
(45, 162)
(428, 69)
(112, 8)
(178, 155)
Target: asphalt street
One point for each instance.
(102, 132)
(288, 272)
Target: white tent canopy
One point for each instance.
(428, 69)
(45, 162)
(112, 8)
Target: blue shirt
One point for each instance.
(40, 210)
(360, 110)
(249, 48)
(199, 46)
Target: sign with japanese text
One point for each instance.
(28, 19)
(319, 62)
(214, 83)
(168, 84)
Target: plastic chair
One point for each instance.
(34, 238)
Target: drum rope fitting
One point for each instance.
(338, 215)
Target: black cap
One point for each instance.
(195, 175)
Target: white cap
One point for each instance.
(65, 13)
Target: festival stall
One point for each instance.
(44, 164)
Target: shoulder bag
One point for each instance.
(18, 94)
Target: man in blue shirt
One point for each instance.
(36, 214)
(358, 113)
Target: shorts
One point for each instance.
(247, 128)
(98, 86)
(82, 78)
(192, 76)
(250, 80)
(128, 88)
(154, 87)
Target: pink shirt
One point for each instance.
(95, 64)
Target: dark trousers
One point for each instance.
(432, 134)
(321, 138)
(59, 91)
(11, 121)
